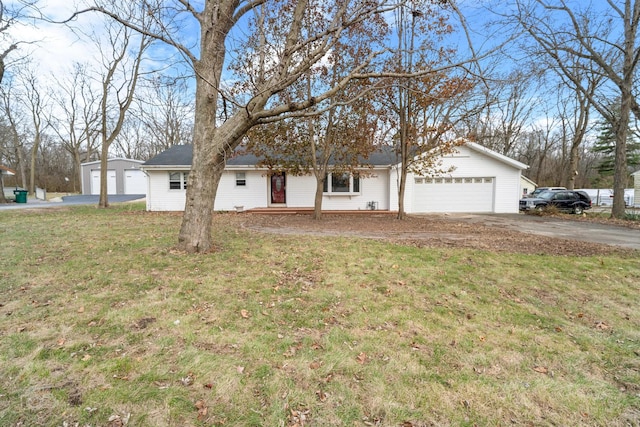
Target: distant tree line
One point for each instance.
(555, 95)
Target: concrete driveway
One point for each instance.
(560, 228)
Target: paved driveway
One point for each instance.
(560, 228)
(70, 200)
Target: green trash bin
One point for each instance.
(21, 196)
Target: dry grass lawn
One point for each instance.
(103, 323)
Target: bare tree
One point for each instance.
(76, 122)
(14, 118)
(163, 108)
(121, 70)
(223, 117)
(603, 37)
(34, 105)
(11, 14)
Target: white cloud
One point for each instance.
(53, 47)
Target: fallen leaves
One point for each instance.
(315, 364)
(602, 326)
(188, 380)
(118, 421)
(202, 408)
(541, 369)
(245, 314)
(362, 358)
(299, 417)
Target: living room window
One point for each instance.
(178, 180)
(341, 184)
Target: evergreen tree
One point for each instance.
(605, 146)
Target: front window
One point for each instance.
(178, 180)
(341, 183)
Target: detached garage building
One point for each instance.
(124, 176)
(481, 181)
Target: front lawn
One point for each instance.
(103, 323)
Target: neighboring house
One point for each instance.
(526, 186)
(124, 176)
(636, 188)
(483, 181)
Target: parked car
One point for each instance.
(564, 200)
(539, 190)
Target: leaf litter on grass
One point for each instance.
(345, 330)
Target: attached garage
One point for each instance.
(435, 194)
(480, 181)
(124, 176)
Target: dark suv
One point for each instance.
(564, 200)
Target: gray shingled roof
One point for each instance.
(181, 155)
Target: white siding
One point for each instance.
(470, 164)
(252, 195)
(373, 188)
(380, 187)
(159, 197)
(301, 191)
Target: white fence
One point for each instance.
(604, 196)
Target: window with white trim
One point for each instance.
(341, 184)
(178, 180)
(241, 179)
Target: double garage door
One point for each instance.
(453, 194)
(95, 182)
(135, 182)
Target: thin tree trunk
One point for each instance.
(104, 198)
(317, 202)
(574, 158)
(21, 166)
(2, 198)
(403, 180)
(32, 171)
(77, 171)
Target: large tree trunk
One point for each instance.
(202, 185)
(620, 171)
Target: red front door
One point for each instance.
(278, 189)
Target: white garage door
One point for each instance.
(135, 182)
(95, 182)
(453, 194)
